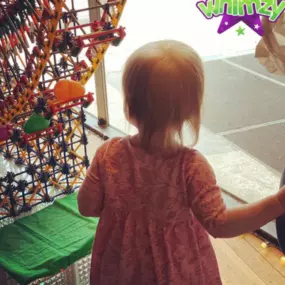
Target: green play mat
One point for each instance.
(42, 244)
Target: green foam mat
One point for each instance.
(42, 244)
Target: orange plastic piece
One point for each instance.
(65, 90)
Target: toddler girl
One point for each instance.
(157, 200)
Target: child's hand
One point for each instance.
(281, 196)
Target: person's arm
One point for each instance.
(205, 199)
(249, 218)
(90, 197)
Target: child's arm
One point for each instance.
(91, 197)
(249, 218)
(208, 206)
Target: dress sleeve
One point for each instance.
(91, 194)
(205, 196)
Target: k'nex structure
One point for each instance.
(47, 55)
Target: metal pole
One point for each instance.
(100, 79)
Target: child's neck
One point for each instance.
(158, 143)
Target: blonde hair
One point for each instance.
(163, 87)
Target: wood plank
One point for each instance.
(255, 260)
(232, 268)
(272, 254)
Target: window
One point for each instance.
(243, 125)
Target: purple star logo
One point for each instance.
(253, 21)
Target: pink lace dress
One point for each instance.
(154, 212)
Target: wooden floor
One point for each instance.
(242, 260)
